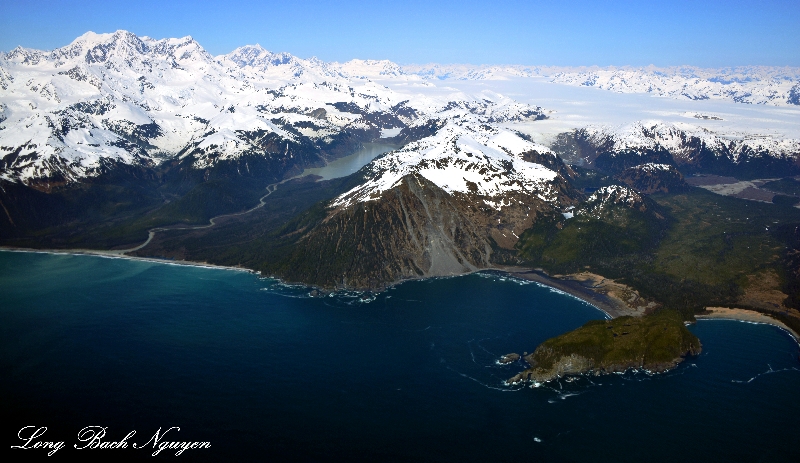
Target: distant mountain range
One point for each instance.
(777, 86)
(691, 148)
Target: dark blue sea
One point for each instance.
(264, 372)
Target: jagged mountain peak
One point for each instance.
(651, 167)
(465, 156)
(604, 199)
(122, 48)
(122, 44)
(615, 194)
(22, 55)
(258, 57)
(652, 177)
(120, 35)
(92, 40)
(258, 63)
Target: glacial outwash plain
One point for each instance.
(659, 195)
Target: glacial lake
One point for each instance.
(350, 164)
(264, 372)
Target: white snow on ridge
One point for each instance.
(607, 196)
(770, 85)
(653, 167)
(652, 134)
(465, 156)
(752, 84)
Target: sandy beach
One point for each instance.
(120, 255)
(724, 313)
(600, 292)
(605, 295)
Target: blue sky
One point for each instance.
(700, 33)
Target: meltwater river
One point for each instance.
(264, 372)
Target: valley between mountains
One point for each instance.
(117, 139)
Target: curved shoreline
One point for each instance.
(115, 255)
(601, 302)
(610, 306)
(744, 315)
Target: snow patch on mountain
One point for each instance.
(608, 196)
(651, 167)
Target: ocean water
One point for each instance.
(264, 372)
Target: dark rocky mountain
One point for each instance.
(794, 95)
(652, 178)
(373, 236)
(691, 149)
(413, 230)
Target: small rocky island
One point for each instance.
(508, 358)
(655, 343)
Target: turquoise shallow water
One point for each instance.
(266, 373)
(347, 165)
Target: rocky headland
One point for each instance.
(654, 343)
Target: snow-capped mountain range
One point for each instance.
(777, 86)
(137, 100)
(119, 99)
(115, 138)
(685, 143)
(771, 85)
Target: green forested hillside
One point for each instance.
(700, 254)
